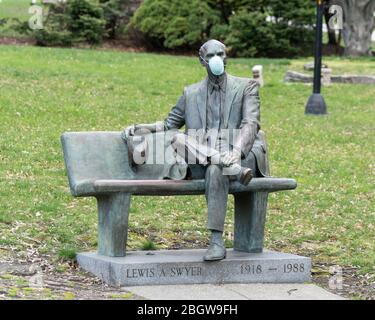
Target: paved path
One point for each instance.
(234, 292)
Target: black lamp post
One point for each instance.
(316, 104)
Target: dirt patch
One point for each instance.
(16, 41)
(345, 281)
(36, 278)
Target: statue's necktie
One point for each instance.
(214, 113)
(216, 107)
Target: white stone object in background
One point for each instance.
(326, 76)
(258, 74)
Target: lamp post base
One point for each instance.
(316, 105)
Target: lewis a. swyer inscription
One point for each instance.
(164, 272)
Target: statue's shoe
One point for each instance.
(245, 176)
(215, 252)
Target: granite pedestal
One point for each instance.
(187, 267)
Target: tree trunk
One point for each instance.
(359, 24)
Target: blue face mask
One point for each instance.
(216, 65)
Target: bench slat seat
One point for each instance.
(172, 187)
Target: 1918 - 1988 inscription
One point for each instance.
(286, 268)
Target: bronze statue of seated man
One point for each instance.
(223, 113)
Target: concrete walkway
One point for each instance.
(234, 292)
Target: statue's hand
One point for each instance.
(128, 132)
(229, 158)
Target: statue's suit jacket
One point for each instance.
(241, 111)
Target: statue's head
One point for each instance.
(213, 56)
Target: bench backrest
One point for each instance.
(95, 155)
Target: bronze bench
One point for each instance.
(97, 164)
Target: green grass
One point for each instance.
(44, 92)
(341, 65)
(13, 9)
(67, 253)
(148, 245)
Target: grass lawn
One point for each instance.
(10, 9)
(44, 92)
(14, 9)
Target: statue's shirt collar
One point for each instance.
(217, 83)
